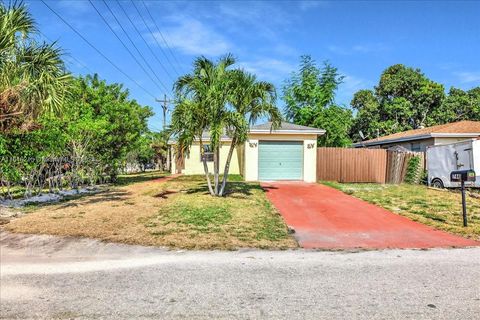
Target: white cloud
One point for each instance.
(467, 77)
(268, 68)
(195, 38)
(338, 50)
(358, 48)
(264, 19)
(285, 50)
(307, 5)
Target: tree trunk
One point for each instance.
(216, 168)
(205, 168)
(227, 167)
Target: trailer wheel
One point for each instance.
(437, 183)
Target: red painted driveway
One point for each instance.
(324, 217)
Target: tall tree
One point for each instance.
(309, 96)
(404, 99)
(105, 115)
(459, 105)
(219, 100)
(251, 99)
(33, 80)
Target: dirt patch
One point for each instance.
(7, 214)
(174, 212)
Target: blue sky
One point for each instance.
(361, 38)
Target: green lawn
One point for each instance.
(440, 209)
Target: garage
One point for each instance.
(286, 152)
(280, 160)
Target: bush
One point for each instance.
(413, 170)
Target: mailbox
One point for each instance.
(462, 176)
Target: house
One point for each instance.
(287, 153)
(418, 140)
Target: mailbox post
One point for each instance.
(462, 176)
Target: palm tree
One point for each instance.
(218, 100)
(33, 80)
(251, 100)
(203, 97)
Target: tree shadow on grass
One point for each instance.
(165, 194)
(233, 189)
(268, 188)
(140, 177)
(105, 196)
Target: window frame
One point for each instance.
(207, 153)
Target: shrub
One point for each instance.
(413, 170)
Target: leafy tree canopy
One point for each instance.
(406, 99)
(103, 117)
(33, 79)
(309, 96)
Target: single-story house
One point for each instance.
(418, 140)
(287, 153)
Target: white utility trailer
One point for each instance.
(444, 158)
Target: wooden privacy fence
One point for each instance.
(397, 163)
(351, 165)
(363, 165)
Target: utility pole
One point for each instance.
(165, 103)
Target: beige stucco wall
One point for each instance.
(193, 165)
(409, 144)
(173, 167)
(449, 140)
(309, 154)
(424, 143)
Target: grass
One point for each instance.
(440, 209)
(127, 179)
(177, 213)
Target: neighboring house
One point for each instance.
(288, 153)
(419, 139)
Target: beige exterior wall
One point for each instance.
(422, 144)
(173, 165)
(410, 145)
(193, 165)
(449, 140)
(309, 154)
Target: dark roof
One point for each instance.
(285, 126)
(450, 129)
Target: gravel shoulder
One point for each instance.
(67, 278)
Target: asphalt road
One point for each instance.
(49, 277)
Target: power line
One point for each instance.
(160, 32)
(126, 47)
(133, 44)
(145, 41)
(97, 50)
(154, 37)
